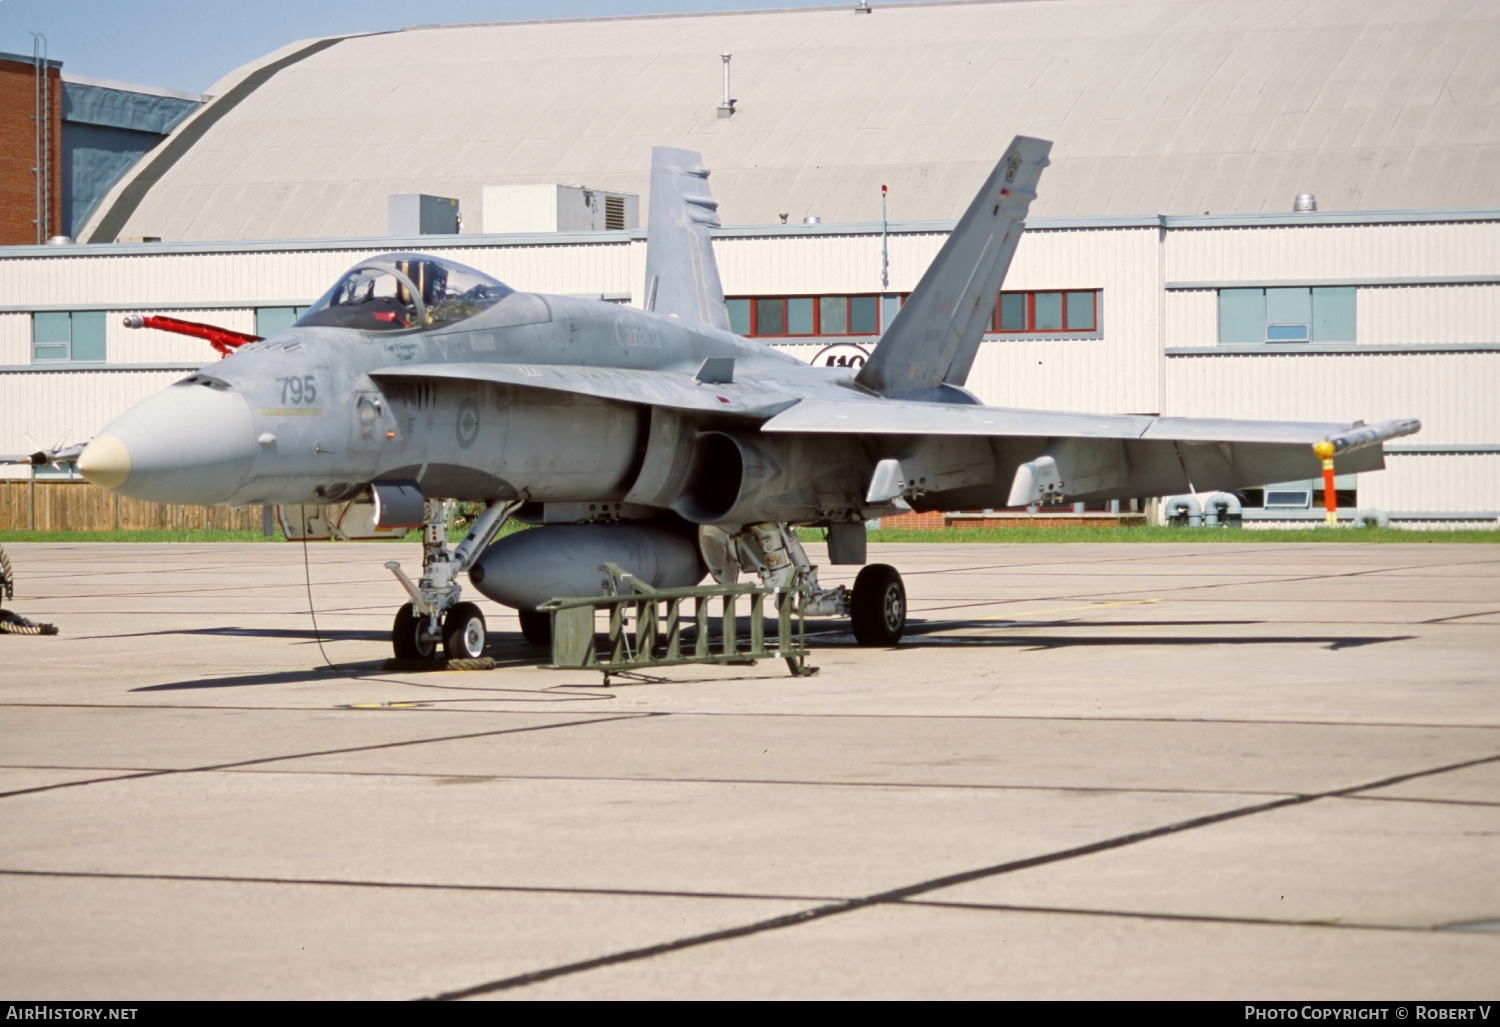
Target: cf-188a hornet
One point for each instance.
(656, 439)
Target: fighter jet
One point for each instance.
(656, 439)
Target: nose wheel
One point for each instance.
(411, 635)
(878, 606)
(463, 632)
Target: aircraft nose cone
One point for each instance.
(105, 462)
(187, 444)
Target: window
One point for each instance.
(890, 306)
(271, 321)
(739, 316)
(770, 316)
(1073, 311)
(1013, 307)
(1302, 495)
(1286, 498)
(67, 335)
(799, 316)
(833, 315)
(1287, 314)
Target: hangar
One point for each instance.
(1165, 269)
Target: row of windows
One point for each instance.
(791, 316)
(1075, 311)
(78, 335)
(1273, 315)
(810, 315)
(1316, 314)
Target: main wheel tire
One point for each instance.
(463, 632)
(536, 626)
(410, 637)
(878, 606)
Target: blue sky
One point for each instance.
(189, 44)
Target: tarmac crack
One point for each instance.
(1198, 918)
(260, 761)
(900, 895)
(337, 882)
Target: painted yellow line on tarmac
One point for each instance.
(1070, 609)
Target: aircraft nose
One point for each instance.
(188, 443)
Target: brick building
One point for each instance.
(19, 101)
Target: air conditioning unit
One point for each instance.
(557, 208)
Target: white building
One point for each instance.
(1385, 303)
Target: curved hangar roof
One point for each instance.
(1156, 106)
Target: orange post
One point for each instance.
(1324, 450)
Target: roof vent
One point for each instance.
(614, 212)
(726, 105)
(863, 7)
(1305, 203)
(812, 219)
(60, 240)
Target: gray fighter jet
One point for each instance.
(656, 439)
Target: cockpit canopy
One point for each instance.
(399, 291)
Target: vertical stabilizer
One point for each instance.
(682, 278)
(934, 338)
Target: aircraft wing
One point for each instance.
(913, 417)
(1111, 455)
(673, 389)
(908, 417)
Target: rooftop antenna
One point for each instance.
(726, 105)
(885, 253)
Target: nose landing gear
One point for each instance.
(434, 614)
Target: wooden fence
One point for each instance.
(42, 505)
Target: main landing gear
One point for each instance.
(435, 616)
(876, 605)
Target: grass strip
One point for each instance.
(1017, 534)
(1156, 533)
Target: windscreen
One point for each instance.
(404, 291)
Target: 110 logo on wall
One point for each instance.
(841, 354)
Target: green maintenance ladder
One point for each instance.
(661, 618)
